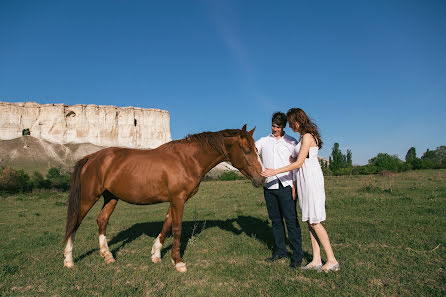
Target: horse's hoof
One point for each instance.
(68, 264)
(181, 267)
(109, 258)
(156, 260)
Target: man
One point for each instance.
(275, 151)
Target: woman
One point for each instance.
(310, 187)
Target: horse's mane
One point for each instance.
(212, 139)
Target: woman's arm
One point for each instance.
(303, 153)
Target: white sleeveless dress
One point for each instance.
(310, 187)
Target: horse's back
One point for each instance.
(133, 175)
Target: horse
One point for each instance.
(170, 173)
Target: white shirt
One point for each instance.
(275, 153)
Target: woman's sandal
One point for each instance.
(312, 267)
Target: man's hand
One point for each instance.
(292, 160)
(294, 192)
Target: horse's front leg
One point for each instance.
(158, 243)
(177, 208)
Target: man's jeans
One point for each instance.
(280, 204)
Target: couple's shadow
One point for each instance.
(251, 226)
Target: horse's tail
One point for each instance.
(74, 201)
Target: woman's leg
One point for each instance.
(315, 246)
(325, 241)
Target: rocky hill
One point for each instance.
(33, 154)
(58, 135)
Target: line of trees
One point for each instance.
(16, 181)
(341, 164)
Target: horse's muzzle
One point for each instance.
(258, 181)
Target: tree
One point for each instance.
(411, 155)
(412, 160)
(434, 159)
(349, 158)
(337, 159)
(387, 162)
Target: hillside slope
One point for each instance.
(33, 154)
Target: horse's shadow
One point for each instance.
(251, 226)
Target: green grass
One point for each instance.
(388, 233)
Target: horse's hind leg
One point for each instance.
(86, 205)
(68, 252)
(158, 243)
(110, 202)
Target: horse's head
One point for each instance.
(243, 156)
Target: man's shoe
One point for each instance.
(274, 258)
(295, 264)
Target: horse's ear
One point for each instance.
(244, 129)
(252, 132)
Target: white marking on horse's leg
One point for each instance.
(181, 267)
(156, 250)
(68, 252)
(104, 251)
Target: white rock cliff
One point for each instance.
(97, 124)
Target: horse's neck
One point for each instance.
(210, 159)
(206, 157)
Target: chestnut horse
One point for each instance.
(170, 173)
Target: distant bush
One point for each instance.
(60, 183)
(53, 173)
(344, 171)
(415, 163)
(327, 171)
(365, 170)
(38, 182)
(388, 162)
(13, 181)
(230, 175)
(57, 180)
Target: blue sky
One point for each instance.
(371, 74)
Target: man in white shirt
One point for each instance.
(275, 151)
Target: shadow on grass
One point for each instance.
(251, 226)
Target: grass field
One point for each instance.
(388, 233)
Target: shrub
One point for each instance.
(61, 183)
(13, 181)
(387, 162)
(38, 182)
(53, 173)
(58, 181)
(434, 159)
(230, 175)
(344, 171)
(365, 170)
(327, 171)
(415, 163)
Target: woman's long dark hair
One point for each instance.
(306, 125)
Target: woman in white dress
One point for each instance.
(309, 186)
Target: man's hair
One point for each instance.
(280, 119)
